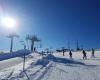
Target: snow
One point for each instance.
(52, 67)
(19, 53)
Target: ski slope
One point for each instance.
(53, 67)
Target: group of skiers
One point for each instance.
(71, 54)
(84, 54)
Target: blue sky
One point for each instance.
(55, 21)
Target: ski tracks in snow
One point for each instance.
(59, 71)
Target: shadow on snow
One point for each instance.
(45, 60)
(62, 60)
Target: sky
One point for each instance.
(55, 22)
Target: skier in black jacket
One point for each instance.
(70, 54)
(84, 55)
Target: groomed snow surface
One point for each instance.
(52, 67)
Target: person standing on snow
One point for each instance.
(84, 54)
(70, 54)
(93, 52)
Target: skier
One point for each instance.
(63, 52)
(34, 49)
(93, 52)
(84, 55)
(70, 54)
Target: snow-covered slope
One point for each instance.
(54, 67)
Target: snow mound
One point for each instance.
(19, 53)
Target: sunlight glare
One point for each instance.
(8, 22)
